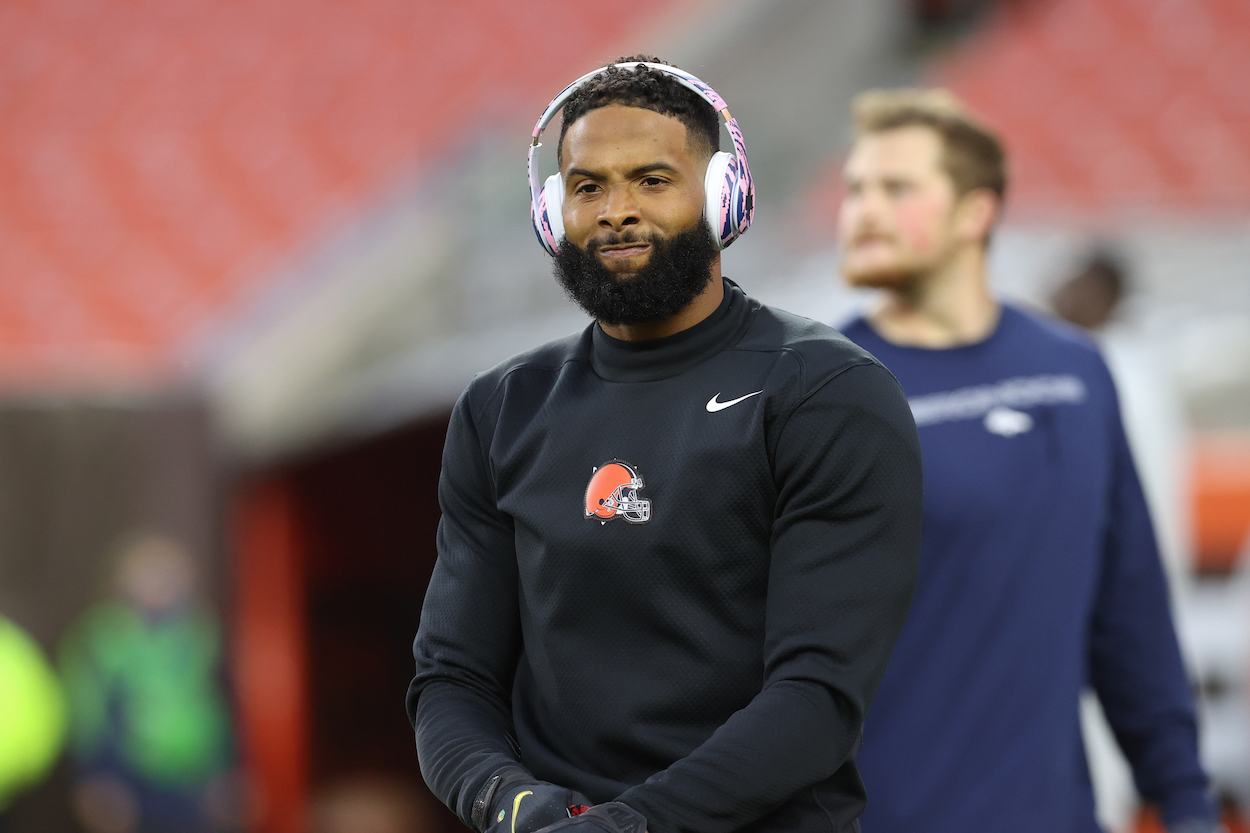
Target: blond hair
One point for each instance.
(972, 154)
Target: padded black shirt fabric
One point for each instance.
(711, 666)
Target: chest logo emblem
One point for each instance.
(613, 493)
(714, 404)
(1007, 422)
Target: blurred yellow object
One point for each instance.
(32, 713)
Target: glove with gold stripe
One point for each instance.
(513, 802)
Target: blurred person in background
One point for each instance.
(1039, 570)
(688, 640)
(1154, 422)
(1150, 405)
(150, 728)
(32, 715)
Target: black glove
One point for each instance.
(513, 802)
(612, 817)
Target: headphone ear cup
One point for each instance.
(547, 214)
(719, 183)
(553, 195)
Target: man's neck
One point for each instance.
(700, 308)
(948, 307)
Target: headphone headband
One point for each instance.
(684, 78)
(735, 196)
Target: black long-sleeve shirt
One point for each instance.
(703, 645)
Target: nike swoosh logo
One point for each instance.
(713, 405)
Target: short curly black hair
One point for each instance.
(651, 90)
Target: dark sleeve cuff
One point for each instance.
(1192, 811)
(1195, 826)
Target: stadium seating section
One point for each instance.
(158, 161)
(1116, 104)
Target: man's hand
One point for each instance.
(515, 803)
(612, 817)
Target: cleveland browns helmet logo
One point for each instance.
(613, 493)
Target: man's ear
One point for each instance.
(977, 213)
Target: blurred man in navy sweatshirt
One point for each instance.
(1039, 570)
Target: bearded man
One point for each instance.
(676, 548)
(1039, 572)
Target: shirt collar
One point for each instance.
(661, 358)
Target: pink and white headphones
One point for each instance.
(730, 189)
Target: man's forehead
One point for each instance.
(619, 129)
(913, 149)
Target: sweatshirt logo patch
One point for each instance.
(1008, 422)
(613, 493)
(714, 404)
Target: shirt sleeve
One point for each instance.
(844, 556)
(459, 700)
(1135, 661)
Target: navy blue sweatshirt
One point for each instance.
(670, 573)
(1039, 575)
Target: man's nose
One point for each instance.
(873, 201)
(619, 209)
(863, 208)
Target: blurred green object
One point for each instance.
(143, 692)
(32, 713)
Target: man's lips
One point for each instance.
(870, 239)
(622, 251)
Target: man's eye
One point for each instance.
(586, 188)
(652, 180)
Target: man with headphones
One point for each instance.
(676, 547)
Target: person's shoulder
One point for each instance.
(811, 355)
(1060, 341)
(106, 623)
(1048, 331)
(817, 346)
(824, 375)
(544, 360)
(856, 328)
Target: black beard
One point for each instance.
(680, 269)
